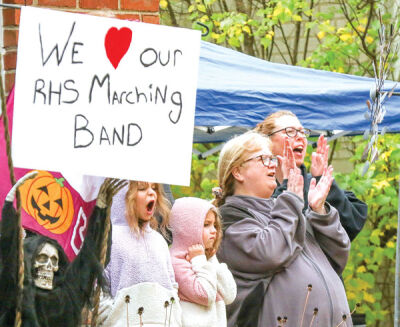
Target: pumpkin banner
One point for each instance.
(104, 97)
(53, 204)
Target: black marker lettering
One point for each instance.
(95, 78)
(115, 98)
(119, 137)
(159, 58)
(72, 90)
(54, 92)
(138, 95)
(104, 138)
(75, 51)
(177, 102)
(148, 63)
(151, 95)
(55, 49)
(158, 92)
(83, 130)
(120, 97)
(137, 134)
(38, 89)
(126, 98)
(175, 52)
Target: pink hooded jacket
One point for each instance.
(187, 222)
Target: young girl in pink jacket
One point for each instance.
(205, 285)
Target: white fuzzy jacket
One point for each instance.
(215, 278)
(152, 297)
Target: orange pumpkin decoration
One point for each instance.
(47, 200)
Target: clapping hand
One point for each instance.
(318, 192)
(286, 162)
(319, 158)
(296, 182)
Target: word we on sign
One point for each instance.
(105, 97)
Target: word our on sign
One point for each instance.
(94, 88)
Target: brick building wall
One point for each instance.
(144, 10)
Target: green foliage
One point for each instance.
(283, 30)
(203, 176)
(341, 45)
(369, 274)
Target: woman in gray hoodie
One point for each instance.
(285, 264)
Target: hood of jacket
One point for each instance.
(187, 222)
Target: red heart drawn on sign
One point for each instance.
(117, 43)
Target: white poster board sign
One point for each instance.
(105, 97)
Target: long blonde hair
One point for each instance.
(232, 155)
(268, 125)
(162, 208)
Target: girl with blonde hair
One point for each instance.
(140, 265)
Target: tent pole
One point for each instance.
(396, 287)
(9, 5)
(204, 155)
(332, 138)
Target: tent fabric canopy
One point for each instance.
(235, 89)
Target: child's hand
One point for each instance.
(194, 251)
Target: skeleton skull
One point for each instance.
(46, 264)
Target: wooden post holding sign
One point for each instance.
(105, 97)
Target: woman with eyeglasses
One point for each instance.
(275, 253)
(285, 131)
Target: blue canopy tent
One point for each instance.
(238, 90)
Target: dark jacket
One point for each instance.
(72, 285)
(274, 252)
(352, 211)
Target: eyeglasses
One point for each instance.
(292, 132)
(265, 159)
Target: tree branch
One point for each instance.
(359, 63)
(223, 6)
(296, 42)
(280, 52)
(308, 32)
(285, 41)
(172, 14)
(269, 55)
(350, 21)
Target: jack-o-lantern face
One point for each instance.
(47, 200)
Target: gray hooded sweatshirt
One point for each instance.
(274, 252)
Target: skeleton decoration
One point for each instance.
(376, 109)
(55, 290)
(46, 264)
